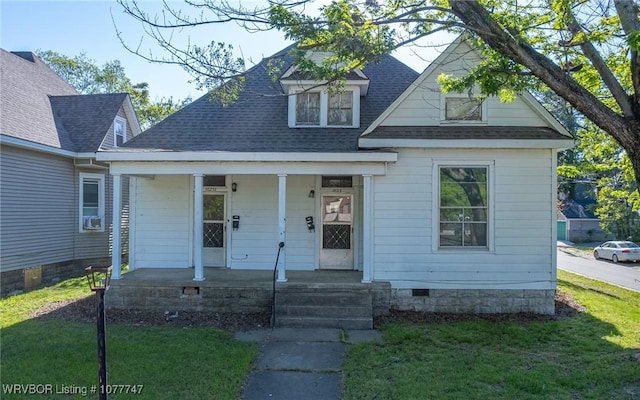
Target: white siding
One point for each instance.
(162, 221)
(522, 225)
(255, 244)
(422, 106)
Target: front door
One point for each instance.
(336, 251)
(213, 214)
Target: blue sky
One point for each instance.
(72, 27)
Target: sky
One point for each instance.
(89, 26)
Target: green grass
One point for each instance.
(595, 355)
(170, 362)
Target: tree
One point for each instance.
(82, 73)
(586, 51)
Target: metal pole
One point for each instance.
(102, 350)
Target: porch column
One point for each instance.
(116, 228)
(367, 229)
(197, 228)
(282, 224)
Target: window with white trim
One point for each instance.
(462, 108)
(340, 109)
(119, 131)
(91, 202)
(463, 206)
(308, 108)
(318, 108)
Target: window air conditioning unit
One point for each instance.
(92, 223)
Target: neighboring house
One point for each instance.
(447, 200)
(576, 221)
(55, 199)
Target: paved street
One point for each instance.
(626, 275)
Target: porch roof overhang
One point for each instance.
(161, 163)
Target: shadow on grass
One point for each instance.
(84, 310)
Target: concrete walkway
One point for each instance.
(300, 363)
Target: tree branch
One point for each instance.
(628, 13)
(589, 50)
(478, 20)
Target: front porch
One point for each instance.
(308, 298)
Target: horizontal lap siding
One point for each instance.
(300, 250)
(422, 106)
(404, 225)
(37, 208)
(162, 221)
(255, 244)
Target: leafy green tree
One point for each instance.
(586, 51)
(82, 73)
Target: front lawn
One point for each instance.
(164, 362)
(593, 355)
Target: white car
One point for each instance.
(617, 251)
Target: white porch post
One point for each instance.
(282, 223)
(367, 230)
(116, 228)
(197, 228)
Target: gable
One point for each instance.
(423, 104)
(88, 119)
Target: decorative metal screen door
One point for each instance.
(213, 230)
(336, 251)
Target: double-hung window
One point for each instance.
(308, 108)
(91, 202)
(340, 109)
(119, 131)
(463, 206)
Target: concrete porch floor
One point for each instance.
(225, 278)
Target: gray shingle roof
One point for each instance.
(257, 121)
(86, 119)
(26, 111)
(459, 132)
(39, 106)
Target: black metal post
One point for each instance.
(102, 348)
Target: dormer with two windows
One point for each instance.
(312, 105)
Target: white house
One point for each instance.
(446, 201)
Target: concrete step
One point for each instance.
(324, 308)
(307, 322)
(325, 297)
(323, 311)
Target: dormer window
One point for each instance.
(311, 105)
(308, 108)
(119, 131)
(340, 109)
(317, 108)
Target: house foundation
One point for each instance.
(251, 291)
(474, 301)
(30, 278)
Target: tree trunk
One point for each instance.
(633, 150)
